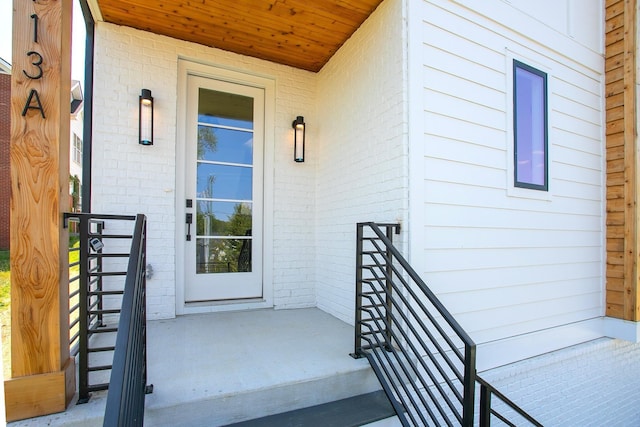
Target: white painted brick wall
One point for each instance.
(592, 384)
(361, 149)
(129, 178)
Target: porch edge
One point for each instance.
(622, 329)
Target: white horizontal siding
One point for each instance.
(489, 205)
(467, 280)
(461, 42)
(455, 128)
(579, 143)
(581, 37)
(443, 238)
(449, 105)
(505, 262)
(465, 152)
(473, 90)
(568, 155)
(477, 258)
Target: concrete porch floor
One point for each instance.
(215, 369)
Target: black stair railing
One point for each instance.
(95, 293)
(417, 349)
(128, 383)
(424, 359)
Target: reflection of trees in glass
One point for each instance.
(207, 141)
(229, 255)
(240, 221)
(205, 218)
(220, 255)
(206, 222)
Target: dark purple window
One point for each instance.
(530, 127)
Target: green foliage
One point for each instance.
(226, 255)
(240, 221)
(75, 192)
(4, 261)
(74, 256)
(5, 281)
(5, 290)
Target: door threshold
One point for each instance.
(224, 302)
(196, 307)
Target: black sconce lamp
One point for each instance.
(146, 118)
(298, 139)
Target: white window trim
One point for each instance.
(77, 152)
(512, 190)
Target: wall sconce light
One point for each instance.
(146, 118)
(298, 139)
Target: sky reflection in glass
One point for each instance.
(224, 182)
(225, 145)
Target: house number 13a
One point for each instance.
(33, 100)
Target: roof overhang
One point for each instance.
(301, 33)
(5, 67)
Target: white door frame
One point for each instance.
(186, 68)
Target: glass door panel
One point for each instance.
(224, 149)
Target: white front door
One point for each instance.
(223, 191)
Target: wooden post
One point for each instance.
(623, 174)
(43, 374)
(631, 172)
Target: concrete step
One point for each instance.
(350, 412)
(251, 403)
(223, 368)
(246, 365)
(387, 422)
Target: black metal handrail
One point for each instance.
(423, 358)
(128, 384)
(421, 352)
(91, 317)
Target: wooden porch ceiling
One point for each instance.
(301, 33)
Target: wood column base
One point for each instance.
(43, 394)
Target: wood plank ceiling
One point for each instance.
(301, 33)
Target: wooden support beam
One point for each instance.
(631, 186)
(42, 371)
(623, 175)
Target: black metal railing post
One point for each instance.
(388, 281)
(485, 406)
(358, 299)
(83, 339)
(469, 390)
(487, 410)
(99, 282)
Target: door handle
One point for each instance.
(189, 220)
